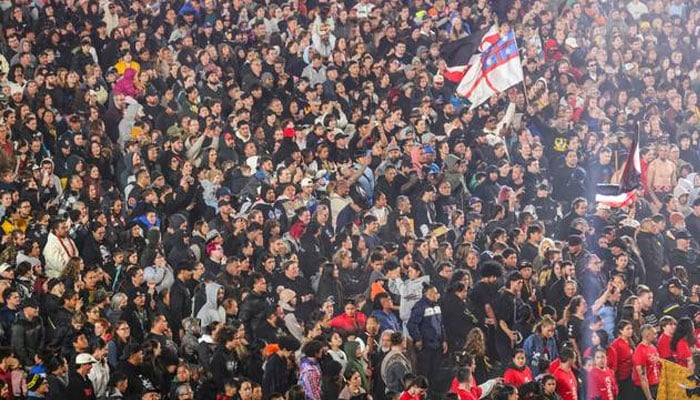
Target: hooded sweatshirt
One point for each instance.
(210, 310)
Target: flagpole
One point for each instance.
(527, 100)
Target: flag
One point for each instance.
(673, 381)
(624, 194)
(458, 53)
(497, 69)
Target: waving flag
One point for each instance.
(498, 69)
(624, 194)
(458, 54)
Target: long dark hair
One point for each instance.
(684, 330)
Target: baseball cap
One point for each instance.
(85, 358)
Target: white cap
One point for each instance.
(571, 42)
(84, 358)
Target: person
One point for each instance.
(415, 388)
(562, 370)
(549, 387)
(79, 385)
(668, 326)
(682, 341)
(276, 374)
(601, 383)
(395, 366)
(518, 372)
(353, 388)
(428, 332)
(646, 365)
(624, 350)
(310, 370)
(506, 311)
(541, 345)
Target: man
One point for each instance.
(252, 310)
(506, 312)
(692, 221)
(59, 248)
(180, 296)
(276, 374)
(661, 175)
(79, 385)
(531, 247)
(9, 313)
(684, 255)
(384, 313)
(646, 365)
(395, 366)
(130, 365)
(592, 280)
(162, 334)
(28, 333)
(428, 333)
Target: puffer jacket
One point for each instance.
(426, 324)
(27, 338)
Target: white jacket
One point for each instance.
(57, 252)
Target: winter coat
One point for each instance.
(27, 338)
(426, 324)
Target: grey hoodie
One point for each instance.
(210, 310)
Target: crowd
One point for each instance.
(237, 200)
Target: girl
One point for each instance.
(518, 372)
(601, 379)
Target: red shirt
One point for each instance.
(609, 352)
(517, 377)
(473, 394)
(566, 383)
(624, 353)
(663, 346)
(348, 325)
(407, 396)
(601, 384)
(647, 356)
(682, 353)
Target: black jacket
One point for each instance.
(27, 338)
(276, 376)
(252, 311)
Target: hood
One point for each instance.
(129, 74)
(683, 187)
(211, 290)
(350, 348)
(153, 237)
(451, 162)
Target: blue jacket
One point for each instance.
(534, 350)
(387, 321)
(426, 324)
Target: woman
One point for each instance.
(116, 346)
(476, 347)
(682, 341)
(549, 387)
(574, 315)
(541, 345)
(464, 386)
(355, 362)
(329, 285)
(518, 373)
(624, 348)
(601, 383)
(600, 339)
(336, 352)
(353, 389)
(415, 388)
